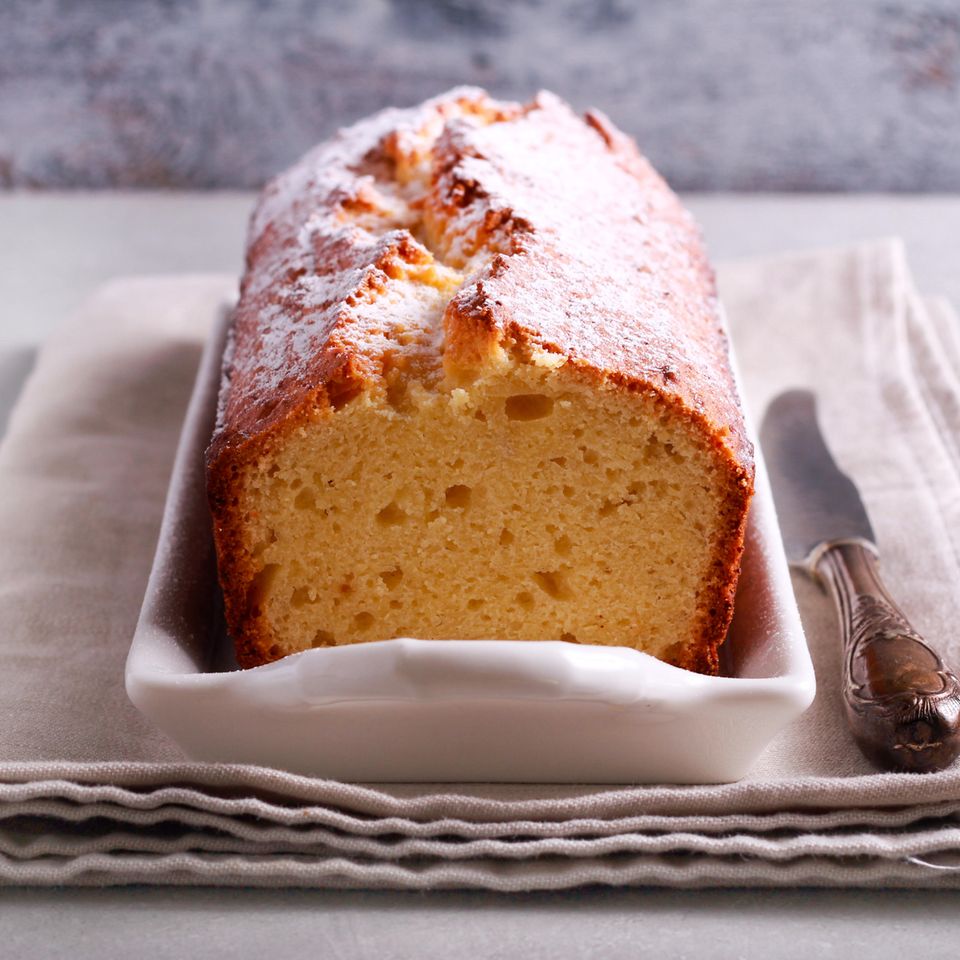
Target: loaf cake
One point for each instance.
(477, 386)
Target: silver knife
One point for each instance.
(901, 700)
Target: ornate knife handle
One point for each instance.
(901, 700)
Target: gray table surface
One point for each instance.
(54, 250)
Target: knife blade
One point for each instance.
(901, 700)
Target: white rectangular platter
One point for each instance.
(457, 710)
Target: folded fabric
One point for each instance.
(91, 793)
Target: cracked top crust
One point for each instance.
(430, 240)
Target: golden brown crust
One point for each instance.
(586, 254)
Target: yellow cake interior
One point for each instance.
(517, 507)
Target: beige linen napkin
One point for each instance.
(90, 793)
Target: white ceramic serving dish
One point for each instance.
(457, 710)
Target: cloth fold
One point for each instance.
(90, 793)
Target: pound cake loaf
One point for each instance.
(477, 386)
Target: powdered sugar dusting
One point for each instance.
(600, 263)
(383, 248)
(337, 284)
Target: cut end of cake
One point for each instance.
(521, 506)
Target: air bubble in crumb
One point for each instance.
(553, 583)
(306, 499)
(260, 588)
(300, 597)
(458, 496)
(363, 620)
(391, 578)
(391, 516)
(525, 599)
(528, 406)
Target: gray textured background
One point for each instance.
(809, 94)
